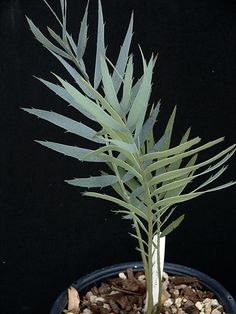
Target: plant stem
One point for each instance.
(159, 262)
(149, 279)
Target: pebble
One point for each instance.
(180, 286)
(99, 299)
(107, 306)
(165, 296)
(122, 276)
(199, 305)
(214, 302)
(174, 292)
(141, 278)
(178, 302)
(174, 309)
(165, 276)
(88, 294)
(92, 298)
(216, 311)
(207, 307)
(114, 292)
(87, 311)
(168, 303)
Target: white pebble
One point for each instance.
(173, 309)
(92, 298)
(99, 299)
(215, 311)
(165, 276)
(141, 277)
(114, 292)
(107, 306)
(87, 311)
(199, 305)
(178, 302)
(168, 303)
(88, 294)
(122, 276)
(180, 286)
(207, 307)
(214, 302)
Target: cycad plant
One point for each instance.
(148, 175)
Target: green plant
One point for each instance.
(148, 176)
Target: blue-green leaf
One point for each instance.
(45, 42)
(82, 40)
(96, 111)
(76, 76)
(94, 182)
(166, 161)
(149, 124)
(123, 57)
(220, 187)
(68, 124)
(139, 106)
(127, 87)
(108, 86)
(121, 203)
(176, 199)
(59, 40)
(173, 225)
(61, 92)
(100, 47)
(187, 170)
(130, 148)
(70, 151)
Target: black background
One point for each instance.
(50, 234)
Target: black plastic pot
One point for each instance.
(96, 277)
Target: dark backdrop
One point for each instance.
(50, 234)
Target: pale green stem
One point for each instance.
(148, 201)
(144, 259)
(159, 262)
(137, 229)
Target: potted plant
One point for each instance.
(149, 176)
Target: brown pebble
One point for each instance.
(104, 289)
(94, 308)
(99, 303)
(178, 280)
(138, 273)
(208, 294)
(114, 296)
(94, 290)
(104, 310)
(189, 307)
(130, 274)
(189, 294)
(123, 302)
(114, 307)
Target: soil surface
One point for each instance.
(126, 294)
